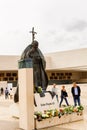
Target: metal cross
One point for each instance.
(33, 34)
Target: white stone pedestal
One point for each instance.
(26, 99)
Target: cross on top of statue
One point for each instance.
(33, 34)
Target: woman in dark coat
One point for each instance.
(64, 96)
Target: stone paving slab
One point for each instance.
(56, 128)
(8, 125)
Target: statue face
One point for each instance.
(35, 44)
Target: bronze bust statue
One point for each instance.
(40, 77)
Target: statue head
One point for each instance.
(35, 44)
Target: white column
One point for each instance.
(26, 99)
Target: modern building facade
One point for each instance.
(67, 66)
(61, 67)
(9, 68)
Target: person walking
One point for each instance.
(54, 91)
(64, 96)
(2, 91)
(76, 92)
(11, 93)
(6, 93)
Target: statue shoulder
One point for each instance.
(27, 49)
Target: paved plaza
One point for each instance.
(7, 122)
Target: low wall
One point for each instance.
(58, 121)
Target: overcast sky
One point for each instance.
(60, 25)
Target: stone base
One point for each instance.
(58, 121)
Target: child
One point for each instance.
(64, 96)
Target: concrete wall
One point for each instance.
(68, 59)
(9, 62)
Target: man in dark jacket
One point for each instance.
(76, 91)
